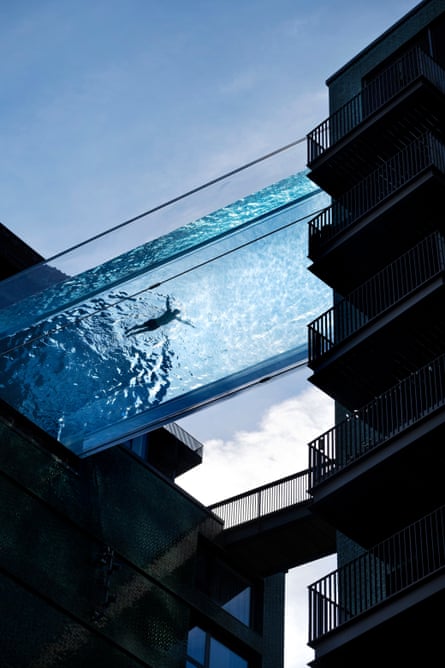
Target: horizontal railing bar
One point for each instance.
(407, 402)
(263, 500)
(261, 488)
(184, 436)
(385, 289)
(377, 92)
(407, 164)
(401, 561)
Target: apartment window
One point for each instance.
(204, 651)
(225, 586)
(239, 605)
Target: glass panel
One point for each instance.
(156, 333)
(196, 644)
(46, 288)
(222, 657)
(136, 245)
(239, 606)
(223, 585)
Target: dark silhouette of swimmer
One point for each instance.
(154, 323)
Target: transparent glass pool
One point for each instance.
(224, 302)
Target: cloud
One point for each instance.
(297, 653)
(241, 83)
(276, 448)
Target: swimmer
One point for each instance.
(154, 323)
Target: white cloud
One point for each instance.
(296, 651)
(276, 448)
(249, 458)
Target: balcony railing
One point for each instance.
(378, 92)
(394, 565)
(384, 182)
(183, 436)
(405, 404)
(263, 500)
(395, 282)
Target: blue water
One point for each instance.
(61, 290)
(239, 281)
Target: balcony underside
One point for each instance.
(406, 630)
(357, 498)
(378, 355)
(170, 455)
(279, 541)
(358, 252)
(350, 159)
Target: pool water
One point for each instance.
(226, 300)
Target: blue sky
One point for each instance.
(109, 108)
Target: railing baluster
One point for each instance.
(375, 95)
(420, 264)
(408, 557)
(389, 414)
(380, 184)
(263, 500)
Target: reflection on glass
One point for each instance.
(196, 644)
(226, 587)
(212, 654)
(239, 606)
(222, 657)
(134, 344)
(80, 272)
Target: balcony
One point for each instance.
(170, 449)
(354, 465)
(272, 529)
(408, 94)
(400, 582)
(357, 349)
(345, 238)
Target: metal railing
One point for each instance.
(183, 436)
(396, 564)
(426, 151)
(377, 92)
(263, 500)
(415, 397)
(388, 287)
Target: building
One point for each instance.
(377, 475)
(105, 560)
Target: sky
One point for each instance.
(112, 107)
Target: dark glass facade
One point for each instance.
(377, 474)
(106, 561)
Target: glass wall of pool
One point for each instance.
(148, 336)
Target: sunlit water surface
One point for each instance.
(239, 281)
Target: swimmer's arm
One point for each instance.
(186, 322)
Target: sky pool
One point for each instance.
(223, 303)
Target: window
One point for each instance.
(204, 651)
(239, 606)
(225, 586)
